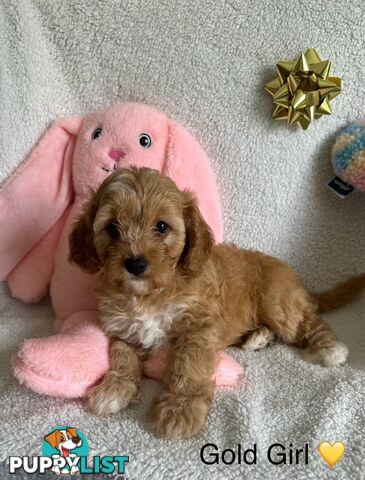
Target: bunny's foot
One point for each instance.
(65, 364)
(228, 372)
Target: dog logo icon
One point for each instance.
(65, 451)
(65, 445)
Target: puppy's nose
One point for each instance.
(136, 265)
(76, 439)
(116, 154)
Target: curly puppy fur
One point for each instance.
(164, 282)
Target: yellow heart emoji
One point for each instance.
(331, 453)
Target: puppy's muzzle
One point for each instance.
(136, 265)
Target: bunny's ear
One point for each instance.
(187, 164)
(37, 194)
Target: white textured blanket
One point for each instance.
(204, 63)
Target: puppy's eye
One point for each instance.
(96, 133)
(62, 439)
(145, 140)
(112, 229)
(162, 227)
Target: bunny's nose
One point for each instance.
(116, 154)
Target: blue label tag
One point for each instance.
(340, 188)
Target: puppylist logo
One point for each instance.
(65, 451)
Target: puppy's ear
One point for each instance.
(72, 431)
(51, 439)
(81, 240)
(198, 238)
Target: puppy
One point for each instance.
(163, 281)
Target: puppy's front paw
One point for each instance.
(111, 395)
(178, 416)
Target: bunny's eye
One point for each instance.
(145, 140)
(97, 133)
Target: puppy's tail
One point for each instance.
(341, 294)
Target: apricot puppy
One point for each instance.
(164, 282)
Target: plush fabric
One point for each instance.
(39, 205)
(204, 63)
(348, 154)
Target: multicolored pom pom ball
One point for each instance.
(348, 154)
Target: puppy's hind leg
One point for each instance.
(320, 342)
(289, 313)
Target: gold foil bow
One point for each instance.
(302, 91)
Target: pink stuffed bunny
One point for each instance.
(41, 201)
